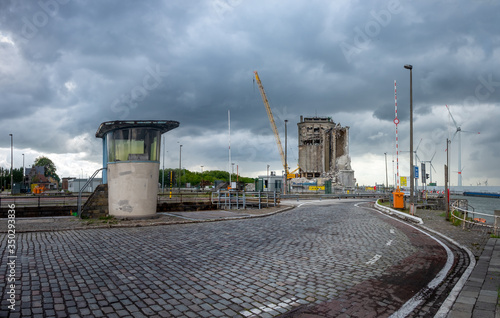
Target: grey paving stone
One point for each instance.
(209, 269)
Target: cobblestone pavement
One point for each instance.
(262, 267)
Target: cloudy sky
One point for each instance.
(68, 65)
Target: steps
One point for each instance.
(97, 204)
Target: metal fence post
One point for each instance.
(237, 200)
(465, 217)
(496, 216)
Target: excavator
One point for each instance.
(289, 175)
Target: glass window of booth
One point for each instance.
(133, 144)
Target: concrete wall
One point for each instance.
(74, 185)
(316, 146)
(133, 189)
(324, 150)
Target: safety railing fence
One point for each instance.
(183, 197)
(39, 200)
(312, 196)
(242, 199)
(470, 218)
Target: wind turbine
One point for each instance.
(459, 131)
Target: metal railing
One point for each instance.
(39, 200)
(242, 200)
(469, 218)
(79, 202)
(183, 197)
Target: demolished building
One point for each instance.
(324, 151)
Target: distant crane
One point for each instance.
(459, 131)
(273, 126)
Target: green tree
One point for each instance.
(50, 167)
(195, 178)
(18, 175)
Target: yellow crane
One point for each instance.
(273, 126)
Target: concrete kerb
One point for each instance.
(187, 221)
(452, 297)
(399, 214)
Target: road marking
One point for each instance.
(374, 259)
(412, 303)
(389, 243)
(269, 307)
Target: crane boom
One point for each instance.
(271, 120)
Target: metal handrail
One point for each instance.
(81, 190)
(464, 219)
(240, 199)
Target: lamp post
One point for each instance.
(267, 178)
(232, 172)
(11, 163)
(23, 172)
(412, 177)
(286, 158)
(180, 162)
(163, 170)
(201, 184)
(386, 177)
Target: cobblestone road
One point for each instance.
(264, 267)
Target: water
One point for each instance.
(481, 205)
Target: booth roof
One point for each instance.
(162, 125)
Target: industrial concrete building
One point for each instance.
(324, 150)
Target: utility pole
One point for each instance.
(163, 170)
(412, 169)
(446, 181)
(267, 178)
(285, 189)
(386, 177)
(180, 171)
(11, 163)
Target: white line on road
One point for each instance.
(374, 259)
(389, 243)
(419, 297)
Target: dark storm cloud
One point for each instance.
(70, 65)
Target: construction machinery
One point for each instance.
(273, 126)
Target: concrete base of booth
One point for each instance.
(133, 189)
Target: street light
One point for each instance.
(410, 67)
(11, 163)
(286, 163)
(180, 161)
(163, 170)
(386, 177)
(201, 184)
(267, 178)
(23, 172)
